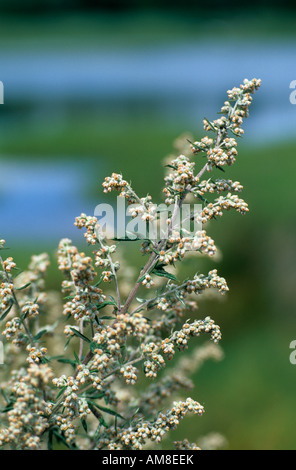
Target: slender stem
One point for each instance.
(152, 260)
(154, 256)
(143, 305)
(114, 276)
(81, 340)
(148, 266)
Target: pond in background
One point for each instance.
(183, 78)
(39, 201)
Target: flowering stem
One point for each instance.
(114, 371)
(154, 256)
(114, 276)
(15, 301)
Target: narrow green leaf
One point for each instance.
(24, 287)
(109, 411)
(236, 135)
(97, 396)
(39, 334)
(141, 279)
(172, 166)
(113, 300)
(84, 424)
(50, 440)
(99, 281)
(44, 360)
(7, 408)
(61, 392)
(61, 438)
(163, 273)
(93, 346)
(77, 358)
(64, 360)
(6, 312)
(80, 335)
(67, 343)
(104, 304)
(220, 168)
(210, 124)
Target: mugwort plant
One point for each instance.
(90, 370)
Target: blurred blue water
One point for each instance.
(39, 201)
(185, 78)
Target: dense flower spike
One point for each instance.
(185, 445)
(26, 417)
(72, 382)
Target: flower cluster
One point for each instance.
(234, 114)
(90, 223)
(27, 420)
(156, 352)
(218, 186)
(130, 374)
(35, 354)
(30, 309)
(202, 282)
(6, 295)
(12, 327)
(181, 176)
(231, 201)
(22, 298)
(185, 445)
(104, 261)
(147, 281)
(137, 436)
(66, 251)
(9, 264)
(117, 182)
(144, 208)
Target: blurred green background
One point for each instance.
(95, 87)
